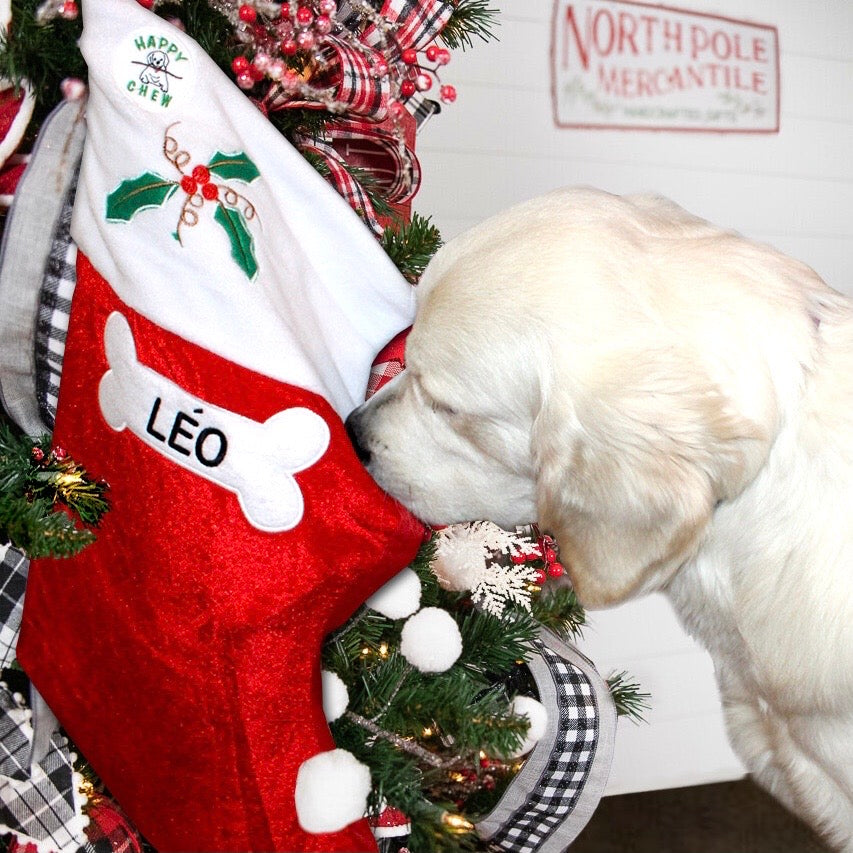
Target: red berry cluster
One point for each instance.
(419, 79)
(547, 555)
(58, 454)
(199, 180)
(277, 37)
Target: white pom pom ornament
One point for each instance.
(335, 696)
(331, 791)
(399, 598)
(537, 714)
(430, 640)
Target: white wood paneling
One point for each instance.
(498, 145)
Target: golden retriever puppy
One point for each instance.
(675, 404)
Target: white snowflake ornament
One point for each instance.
(467, 558)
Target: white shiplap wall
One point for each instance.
(497, 145)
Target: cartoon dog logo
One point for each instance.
(155, 72)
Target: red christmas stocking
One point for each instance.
(227, 309)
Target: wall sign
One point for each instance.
(621, 64)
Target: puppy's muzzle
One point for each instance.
(355, 431)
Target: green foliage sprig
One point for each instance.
(471, 19)
(37, 485)
(411, 245)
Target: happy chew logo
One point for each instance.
(201, 183)
(160, 59)
(252, 459)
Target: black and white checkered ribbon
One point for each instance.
(13, 582)
(39, 803)
(557, 790)
(60, 278)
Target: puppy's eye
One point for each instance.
(441, 408)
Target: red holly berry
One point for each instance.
(304, 16)
(555, 570)
(37, 453)
(407, 88)
(59, 454)
(248, 14)
(432, 53)
(201, 174)
(409, 56)
(485, 762)
(442, 56)
(549, 554)
(448, 94)
(518, 559)
(539, 577)
(239, 65)
(288, 47)
(188, 185)
(210, 192)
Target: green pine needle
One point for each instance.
(43, 54)
(34, 484)
(630, 700)
(558, 609)
(471, 19)
(411, 246)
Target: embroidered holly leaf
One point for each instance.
(236, 167)
(140, 193)
(242, 245)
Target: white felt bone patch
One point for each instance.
(254, 460)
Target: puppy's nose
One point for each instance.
(354, 433)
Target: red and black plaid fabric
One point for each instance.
(417, 22)
(109, 830)
(341, 179)
(349, 76)
(391, 163)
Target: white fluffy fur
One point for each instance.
(675, 403)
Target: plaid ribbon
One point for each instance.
(390, 362)
(392, 163)
(416, 22)
(341, 179)
(60, 279)
(351, 79)
(554, 795)
(109, 830)
(39, 803)
(13, 582)
(412, 23)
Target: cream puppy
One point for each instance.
(675, 404)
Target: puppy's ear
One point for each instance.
(631, 460)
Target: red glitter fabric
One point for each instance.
(181, 651)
